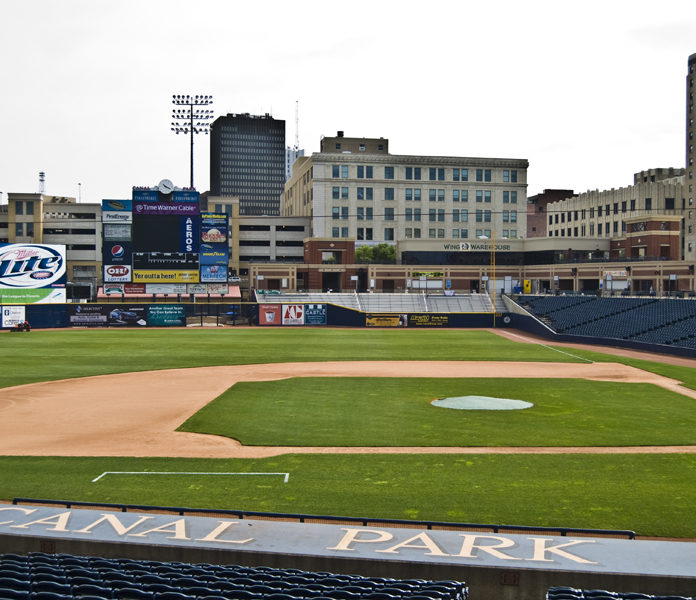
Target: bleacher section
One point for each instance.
(39, 576)
(652, 320)
(391, 303)
(569, 593)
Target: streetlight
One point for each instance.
(191, 119)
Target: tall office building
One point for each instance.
(247, 159)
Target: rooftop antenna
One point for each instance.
(42, 182)
(79, 192)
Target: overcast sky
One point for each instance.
(589, 92)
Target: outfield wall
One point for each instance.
(494, 566)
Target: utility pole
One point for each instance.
(191, 119)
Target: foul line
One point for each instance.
(286, 476)
(531, 341)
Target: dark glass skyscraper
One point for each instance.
(247, 159)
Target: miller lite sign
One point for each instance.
(32, 266)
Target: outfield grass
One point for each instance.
(59, 354)
(385, 411)
(651, 494)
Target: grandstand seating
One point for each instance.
(414, 302)
(651, 320)
(569, 593)
(39, 576)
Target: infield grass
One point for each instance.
(386, 411)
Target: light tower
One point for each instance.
(191, 119)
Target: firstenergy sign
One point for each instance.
(32, 273)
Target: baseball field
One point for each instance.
(342, 422)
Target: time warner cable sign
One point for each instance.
(32, 274)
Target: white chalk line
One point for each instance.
(531, 341)
(286, 476)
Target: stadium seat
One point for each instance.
(14, 594)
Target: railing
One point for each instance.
(304, 518)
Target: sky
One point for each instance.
(588, 92)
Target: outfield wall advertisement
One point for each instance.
(127, 315)
(292, 314)
(32, 274)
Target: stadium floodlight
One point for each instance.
(184, 117)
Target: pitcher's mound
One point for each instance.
(481, 403)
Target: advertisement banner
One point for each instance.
(385, 320)
(165, 208)
(166, 315)
(111, 216)
(214, 248)
(145, 195)
(32, 273)
(117, 273)
(214, 254)
(220, 289)
(12, 315)
(117, 253)
(293, 314)
(315, 314)
(428, 320)
(270, 314)
(213, 273)
(106, 315)
(150, 276)
(116, 232)
(117, 205)
(165, 288)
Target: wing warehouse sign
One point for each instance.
(32, 274)
(329, 541)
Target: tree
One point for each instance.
(382, 254)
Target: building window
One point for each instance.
(416, 232)
(361, 213)
(465, 174)
(455, 195)
(335, 172)
(409, 214)
(368, 213)
(479, 195)
(440, 233)
(455, 233)
(440, 214)
(432, 215)
(389, 172)
(416, 194)
(409, 232)
(388, 214)
(335, 193)
(368, 233)
(510, 176)
(409, 194)
(479, 215)
(464, 233)
(389, 234)
(361, 193)
(361, 234)
(487, 196)
(513, 216)
(335, 212)
(368, 194)
(623, 206)
(344, 232)
(431, 233)
(506, 197)
(344, 212)
(465, 195)
(344, 171)
(30, 208)
(513, 197)
(506, 216)
(432, 174)
(440, 195)
(432, 195)
(487, 216)
(441, 174)
(416, 173)
(389, 193)
(455, 174)
(409, 173)
(669, 204)
(416, 214)
(19, 229)
(19, 208)
(455, 215)
(344, 193)
(464, 215)
(335, 232)
(648, 204)
(479, 174)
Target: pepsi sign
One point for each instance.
(116, 253)
(32, 266)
